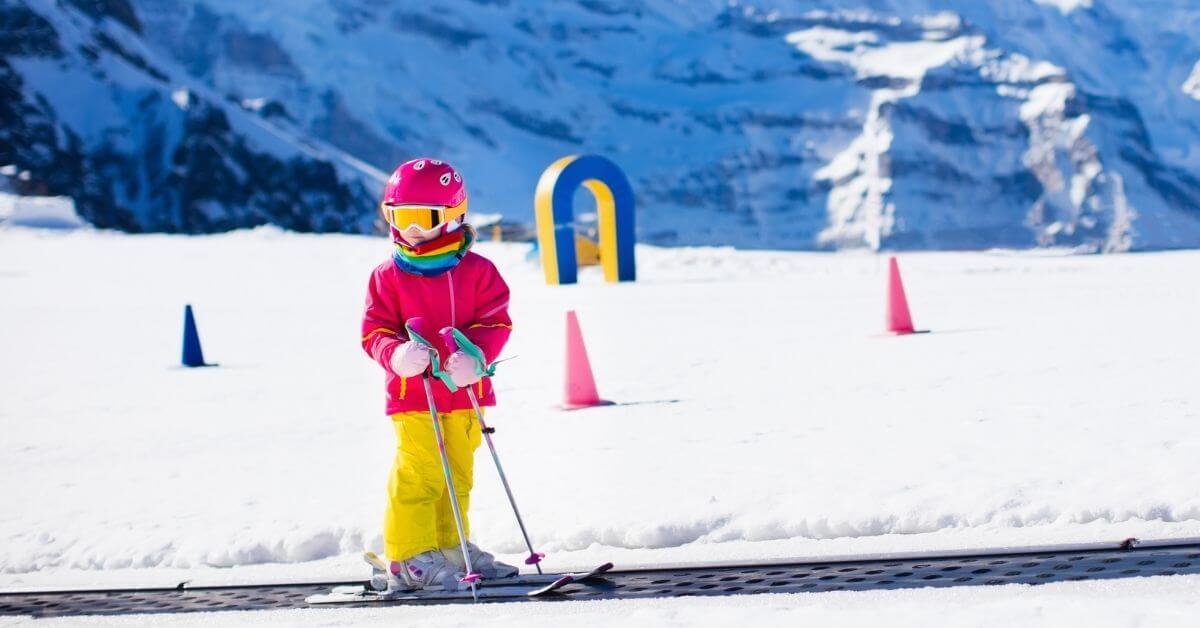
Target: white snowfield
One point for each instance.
(761, 415)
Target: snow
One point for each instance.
(1191, 86)
(1048, 97)
(46, 212)
(761, 416)
(859, 205)
(254, 104)
(908, 60)
(182, 98)
(863, 201)
(1066, 6)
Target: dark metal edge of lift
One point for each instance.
(1035, 565)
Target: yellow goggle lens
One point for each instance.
(423, 216)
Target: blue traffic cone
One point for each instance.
(192, 355)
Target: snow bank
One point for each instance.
(1054, 402)
(43, 212)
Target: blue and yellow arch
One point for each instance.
(555, 215)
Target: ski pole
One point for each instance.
(471, 577)
(535, 558)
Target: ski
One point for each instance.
(570, 578)
(363, 595)
(532, 585)
(379, 564)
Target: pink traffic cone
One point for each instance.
(899, 321)
(580, 390)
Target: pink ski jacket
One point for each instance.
(471, 297)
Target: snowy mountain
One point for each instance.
(797, 124)
(89, 111)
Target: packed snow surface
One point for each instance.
(761, 412)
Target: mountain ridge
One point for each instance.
(899, 124)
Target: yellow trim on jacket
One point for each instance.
(377, 330)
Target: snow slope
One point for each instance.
(39, 212)
(761, 416)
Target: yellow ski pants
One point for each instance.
(419, 517)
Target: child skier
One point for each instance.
(433, 275)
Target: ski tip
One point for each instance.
(553, 586)
(375, 560)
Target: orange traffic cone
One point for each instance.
(580, 385)
(899, 320)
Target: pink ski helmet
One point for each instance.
(424, 192)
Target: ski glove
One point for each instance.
(410, 359)
(461, 368)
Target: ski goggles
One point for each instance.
(424, 217)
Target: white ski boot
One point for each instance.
(427, 570)
(379, 578)
(482, 562)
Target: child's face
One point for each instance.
(417, 235)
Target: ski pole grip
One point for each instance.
(447, 335)
(415, 327)
(457, 341)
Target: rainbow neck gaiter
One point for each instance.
(432, 258)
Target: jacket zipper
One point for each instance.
(450, 284)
